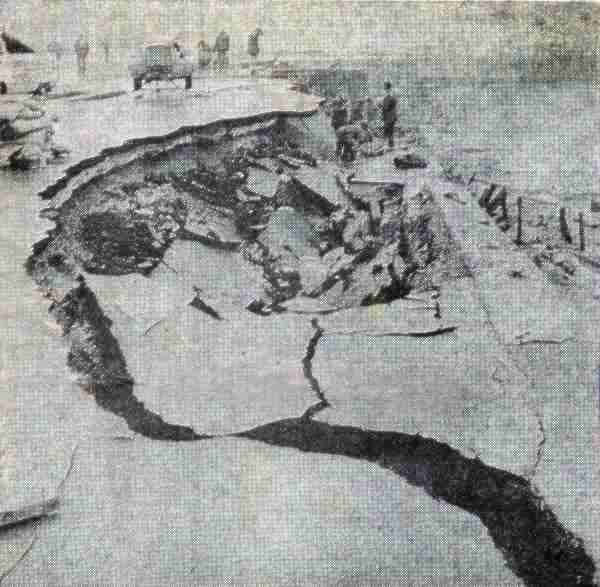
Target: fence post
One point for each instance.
(581, 233)
(564, 226)
(519, 239)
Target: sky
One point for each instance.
(450, 31)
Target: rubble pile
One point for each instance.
(354, 257)
(376, 248)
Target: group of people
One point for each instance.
(353, 123)
(219, 53)
(82, 49)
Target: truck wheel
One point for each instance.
(3, 88)
(188, 82)
(137, 84)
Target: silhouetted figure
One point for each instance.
(222, 49)
(105, 43)
(357, 111)
(56, 50)
(204, 54)
(82, 48)
(253, 46)
(339, 113)
(389, 115)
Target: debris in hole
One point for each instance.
(410, 161)
(28, 513)
(199, 304)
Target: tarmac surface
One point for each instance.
(241, 512)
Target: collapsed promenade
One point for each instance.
(205, 276)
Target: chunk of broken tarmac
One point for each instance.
(443, 387)
(288, 230)
(224, 376)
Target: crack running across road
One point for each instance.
(313, 382)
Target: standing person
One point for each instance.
(339, 118)
(204, 55)
(179, 49)
(221, 49)
(82, 48)
(253, 46)
(388, 114)
(371, 113)
(106, 47)
(339, 113)
(56, 49)
(357, 111)
(3, 52)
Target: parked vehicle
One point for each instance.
(161, 61)
(282, 70)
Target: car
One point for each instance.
(161, 61)
(282, 70)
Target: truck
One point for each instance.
(160, 61)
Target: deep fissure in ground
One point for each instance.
(366, 258)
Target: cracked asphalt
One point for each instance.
(140, 511)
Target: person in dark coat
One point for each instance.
(339, 113)
(253, 47)
(82, 48)
(357, 111)
(56, 49)
(388, 114)
(105, 44)
(221, 49)
(204, 54)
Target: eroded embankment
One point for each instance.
(124, 220)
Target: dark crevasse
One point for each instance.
(537, 548)
(535, 545)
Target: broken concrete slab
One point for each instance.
(227, 282)
(513, 306)
(212, 229)
(441, 387)
(313, 272)
(305, 305)
(250, 529)
(496, 263)
(322, 180)
(338, 261)
(288, 230)
(292, 192)
(375, 277)
(262, 182)
(226, 376)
